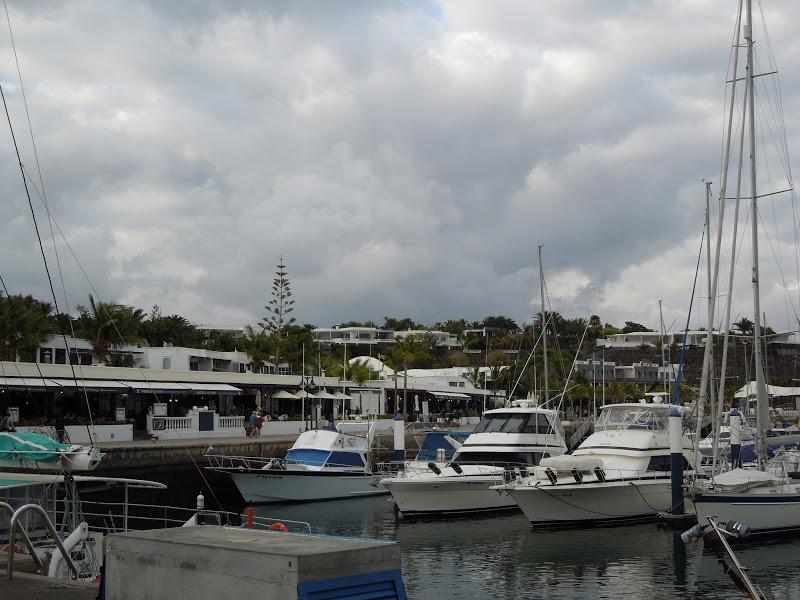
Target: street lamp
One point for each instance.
(306, 383)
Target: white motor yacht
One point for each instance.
(619, 474)
(322, 464)
(507, 440)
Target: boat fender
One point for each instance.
(432, 466)
(551, 475)
(600, 474)
(251, 513)
(278, 526)
(577, 475)
(456, 467)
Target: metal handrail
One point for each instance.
(26, 539)
(49, 524)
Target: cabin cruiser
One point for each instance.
(619, 474)
(322, 464)
(506, 440)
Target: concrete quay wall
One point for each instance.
(147, 454)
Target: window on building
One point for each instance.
(61, 356)
(268, 369)
(452, 383)
(46, 355)
(242, 368)
(166, 362)
(194, 365)
(284, 370)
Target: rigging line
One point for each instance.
(38, 234)
(47, 208)
(780, 270)
(86, 277)
(555, 332)
(676, 390)
(16, 365)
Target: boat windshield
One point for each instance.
(514, 423)
(630, 417)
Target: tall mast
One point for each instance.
(544, 327)
(663, 350)
(762, 402)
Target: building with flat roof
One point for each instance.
(375, 335)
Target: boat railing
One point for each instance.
(117, 517)
(508, 471)
(16, 525)
(223, 461)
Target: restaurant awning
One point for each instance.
(450, 395)
(93, 385)
(28, 383)
(284, 395)
(212, 388)
(158, 387)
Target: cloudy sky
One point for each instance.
(405, 158)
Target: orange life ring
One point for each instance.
(278, 526)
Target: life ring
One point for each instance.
(278, 526)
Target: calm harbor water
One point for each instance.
(502, 557)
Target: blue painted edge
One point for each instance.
(306, 589)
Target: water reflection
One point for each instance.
(502, 557)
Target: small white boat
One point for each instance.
(768, 502)
(22, 450)
(619, 474)
(506, 441)
(322, 464)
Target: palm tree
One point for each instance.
(258, 346)
(108, 325)
(25, 323)
(745, 326)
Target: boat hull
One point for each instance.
(764, 514)
(262, 486)
(587, 504)
(448, 495)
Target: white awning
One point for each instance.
(212, 388)
(27, 383)
(342, 396)
(449, 395)
(749, 391)
(325, 395)
(284, 395)
(93, 385)
(158, 387)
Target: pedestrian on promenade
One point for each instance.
(253, 424)
(59, 425)
(259, 424)
(7, 422)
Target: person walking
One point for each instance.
(253, 424)
(59, 424)
(7, 422)
(259, 424)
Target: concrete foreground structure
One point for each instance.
(209, 563)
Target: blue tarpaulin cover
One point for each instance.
(17, 445)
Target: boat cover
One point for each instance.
(745, 478)
(18, 445)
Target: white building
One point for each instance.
(374, 335)
(651, 338)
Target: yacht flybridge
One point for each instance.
(505, 441)
(619, 474)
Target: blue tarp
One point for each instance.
(17, 445)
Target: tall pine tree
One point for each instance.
(278, 308)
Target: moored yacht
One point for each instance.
(322, 464)
(506, 440)
(619, 474)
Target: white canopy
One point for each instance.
(342, 396)
(306, 395)
(749, 391)
(284, 395)
(325, 395)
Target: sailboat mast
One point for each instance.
(544, 327)
(762, 403)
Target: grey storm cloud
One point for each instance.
(405, 158)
